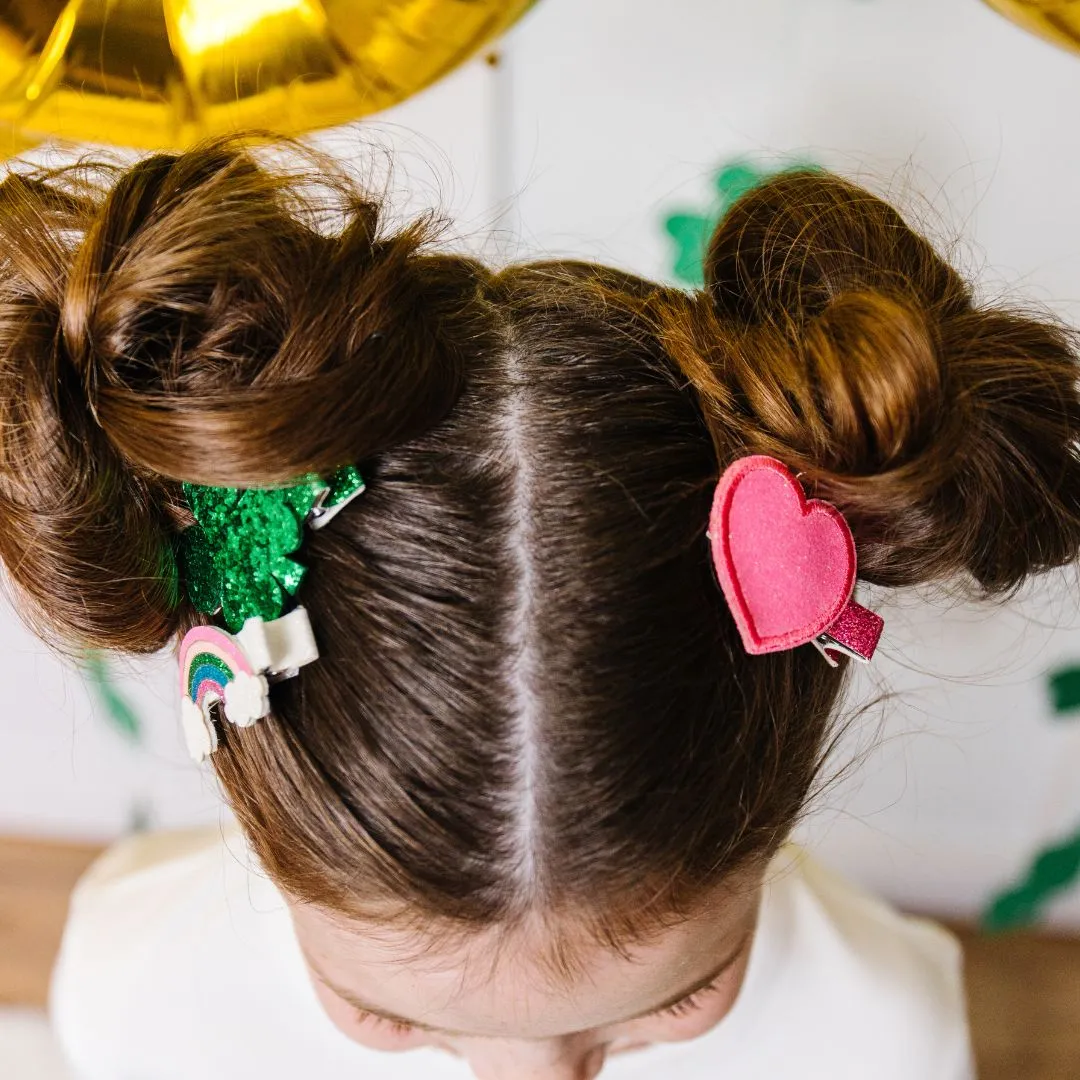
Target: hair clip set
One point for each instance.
(237, 563)
(785, 563)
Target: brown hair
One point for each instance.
(531, 695)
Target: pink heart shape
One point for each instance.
(786, 563)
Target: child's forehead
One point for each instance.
(553, 949)
(495, 984)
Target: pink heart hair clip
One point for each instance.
(786, 564)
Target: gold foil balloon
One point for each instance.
(1056, 20)
(163, 73)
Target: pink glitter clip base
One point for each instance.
(855, 634)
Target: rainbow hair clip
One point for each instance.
(234, 672)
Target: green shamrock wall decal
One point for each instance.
(1052, 871)
(1064, 685)
(120, 714)
(237, 558)
(1055, 869)
(691, 229)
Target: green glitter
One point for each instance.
(237, 559)
(344, 484)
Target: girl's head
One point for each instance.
(531, 785)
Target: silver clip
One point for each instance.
(823, 642)
(321, 515)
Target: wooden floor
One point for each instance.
(1024, 989)
(1024, 998)
(35, 880)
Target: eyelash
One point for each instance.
(394, 1025)
(689, 1004)
(679, 1009)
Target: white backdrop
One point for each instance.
(601, 119)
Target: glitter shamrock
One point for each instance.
(343, 486)
(237, 558)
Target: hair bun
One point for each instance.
(200, 317)
(841, 343)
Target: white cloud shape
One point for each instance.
(199, 733)
(247, 698)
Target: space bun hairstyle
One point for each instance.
(530, 694)
(835, 338)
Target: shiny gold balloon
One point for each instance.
(1056, 20)
(164, 73)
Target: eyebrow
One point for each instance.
(358, 1003)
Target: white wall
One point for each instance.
(603, 118)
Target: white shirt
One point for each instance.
(179, 962)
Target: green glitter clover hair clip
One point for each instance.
(237, 561)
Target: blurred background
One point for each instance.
(619, 130)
